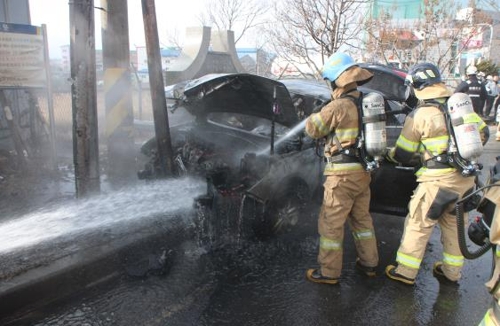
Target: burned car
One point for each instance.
(244, 133)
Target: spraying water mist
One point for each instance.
(291, 134)
(117, 210)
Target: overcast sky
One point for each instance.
(171, 15)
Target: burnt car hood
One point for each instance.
(387, 81)
(240, 93)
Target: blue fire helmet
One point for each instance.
(336, 64)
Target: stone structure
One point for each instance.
(205, 51)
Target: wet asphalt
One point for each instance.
(263, 283)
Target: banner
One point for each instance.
(21, 56)
(472, 38)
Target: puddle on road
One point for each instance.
(263, 283)
(198, 289)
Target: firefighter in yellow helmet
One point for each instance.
(347, 184)
(440, 184)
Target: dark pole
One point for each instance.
(157, 88)
(83, 95)
(117, 89)
(50, 101)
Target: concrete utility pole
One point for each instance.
(157, 88)
(117, 89)
(83, 95)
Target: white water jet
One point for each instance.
(139, 204)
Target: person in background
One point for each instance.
(347, 185)
(481, 76)
(439, 184)
(491, 95)
(474, 88)
(496, 103)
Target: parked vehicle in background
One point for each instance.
(245, 135)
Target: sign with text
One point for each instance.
(473, 38)
(21, 56)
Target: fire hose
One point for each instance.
(459, 210)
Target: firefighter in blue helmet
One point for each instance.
(425, 133)
(347, 184)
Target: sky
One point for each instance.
(173, 16)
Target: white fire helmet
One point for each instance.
(471, 70)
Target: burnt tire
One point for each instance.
(285, 211)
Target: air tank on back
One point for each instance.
(467, 135)
(373, 107)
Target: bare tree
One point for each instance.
(437, 37)
(238, 16)
(305, 32)
(493, 4)
(174, 37)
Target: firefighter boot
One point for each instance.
(314, 275)
(390, 272)
(437, 270)
(368, 271)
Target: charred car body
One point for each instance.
(245, 135)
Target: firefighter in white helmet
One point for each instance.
(474, 88)
(440, 185)
(347, 184)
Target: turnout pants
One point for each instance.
(492, 316)
(346, 198)
(418, 227)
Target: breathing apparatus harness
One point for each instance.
(358, 151)
(352, 152)
(478, 231)
(452, 157)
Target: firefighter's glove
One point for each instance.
(389, 156)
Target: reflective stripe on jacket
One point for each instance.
(424, 132)
(338, 118)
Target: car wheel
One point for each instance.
(284, 212)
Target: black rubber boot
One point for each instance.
(438, 273)
(314, 275)
(390, 271)
(368, 271)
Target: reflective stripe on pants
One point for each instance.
(418, 228)
(346, 198)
